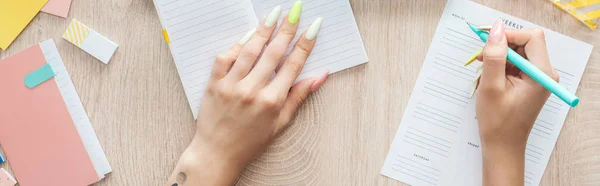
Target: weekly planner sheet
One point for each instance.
(437, 142)
(198, 30)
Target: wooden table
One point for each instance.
(341, 136)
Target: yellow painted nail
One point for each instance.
(294, 15)
(473, 57)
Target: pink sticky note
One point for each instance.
(39, 138)
(58, 7)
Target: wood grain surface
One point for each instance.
(342, 134)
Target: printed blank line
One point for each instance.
(416, 167)
(187, 5)
(437, 114)
(427, 144)
(426, 176)
(327, 64)
(417, 163)
(455, 93)
(428, 139)
(536, 129)
(330, 48)
(208, 28)
(540, 125)
(532, 161)
(462, 44)
(546, 109)
(469, 76)
(411, 128)
(450, 96)
(443, 83)
(167, 3)
(564, 72)
(422, 104)
(208, 51)
(459, 48)
(552, 105)
(478, 43)
(444, 70)
(468, 36)
(194, 10)
(425, 148)
(539, 135)
(531, 155)
(542, 121)
(530, 150)
(424, 115)
(413, 176)
(445, 99)
(536, 147)
(434, 123)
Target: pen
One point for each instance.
(532, 71)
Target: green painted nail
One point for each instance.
(294, 15)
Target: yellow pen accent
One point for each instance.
(166, 36)
(473, 57)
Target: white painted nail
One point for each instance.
(273, 16)
(313, 30)
(247, 37)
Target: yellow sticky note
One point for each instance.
(14, 17)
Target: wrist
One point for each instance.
(202, 166)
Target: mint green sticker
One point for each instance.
(38, 76)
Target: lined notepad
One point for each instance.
(197, 31)
(438, 142)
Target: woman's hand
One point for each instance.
(509, 101)
(245, 107)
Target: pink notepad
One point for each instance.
(38, 134)
(58, 7)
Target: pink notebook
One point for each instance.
(38, 133)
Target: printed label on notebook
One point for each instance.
(90, 41)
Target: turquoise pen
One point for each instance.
(535, 73)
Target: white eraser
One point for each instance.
(90, 41)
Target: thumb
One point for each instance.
(494, 59)
(295, 98)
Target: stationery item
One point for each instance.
(58, 7)
(90, 41)
(1, 159)
(6, 179)
(586, 11)
(438, 142)
(14, 16)
(197, 31)
(535, 73)
(46, 133)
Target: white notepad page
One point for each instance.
(73, 102)
(199, 30)
(437, 142)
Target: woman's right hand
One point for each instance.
(509, 101)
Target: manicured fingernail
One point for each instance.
(247, 37)
(313, 30)
(273, 16)
(497, 32)
(294, 15)
(317, 84)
